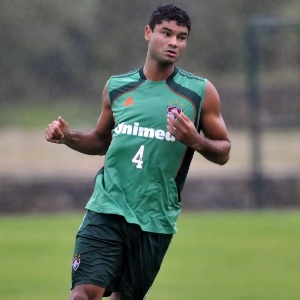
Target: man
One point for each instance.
(148, 129)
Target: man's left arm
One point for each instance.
(214, 144)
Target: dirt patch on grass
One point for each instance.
(37, 176)
(27, 154)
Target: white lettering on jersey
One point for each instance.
(138, 130)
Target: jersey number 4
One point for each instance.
(138, 158)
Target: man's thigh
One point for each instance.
(118, 256)
(98, 252)
(145, 253)
(86, 291)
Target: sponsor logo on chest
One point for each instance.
(146, 132)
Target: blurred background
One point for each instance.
(55, 57)
(240, 222)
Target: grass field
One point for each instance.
(215, 256)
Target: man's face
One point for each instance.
(167, 42)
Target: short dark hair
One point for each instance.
(170, 12)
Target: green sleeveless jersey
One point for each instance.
(145, 166)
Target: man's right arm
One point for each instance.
(93, 142)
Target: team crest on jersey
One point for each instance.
(76, 262)
(172, 108)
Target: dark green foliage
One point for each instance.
(66, 48)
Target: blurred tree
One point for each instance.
(51, 48)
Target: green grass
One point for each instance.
(215, 256)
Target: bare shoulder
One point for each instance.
(106, 120)
(105, 97)
(212, 123)
(211, 99)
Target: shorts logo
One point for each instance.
(172, 108)
(76, 262)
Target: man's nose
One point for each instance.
(173, 41)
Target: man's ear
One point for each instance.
(147, 33)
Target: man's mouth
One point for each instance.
(171, 53)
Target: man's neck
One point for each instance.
(157, 73)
